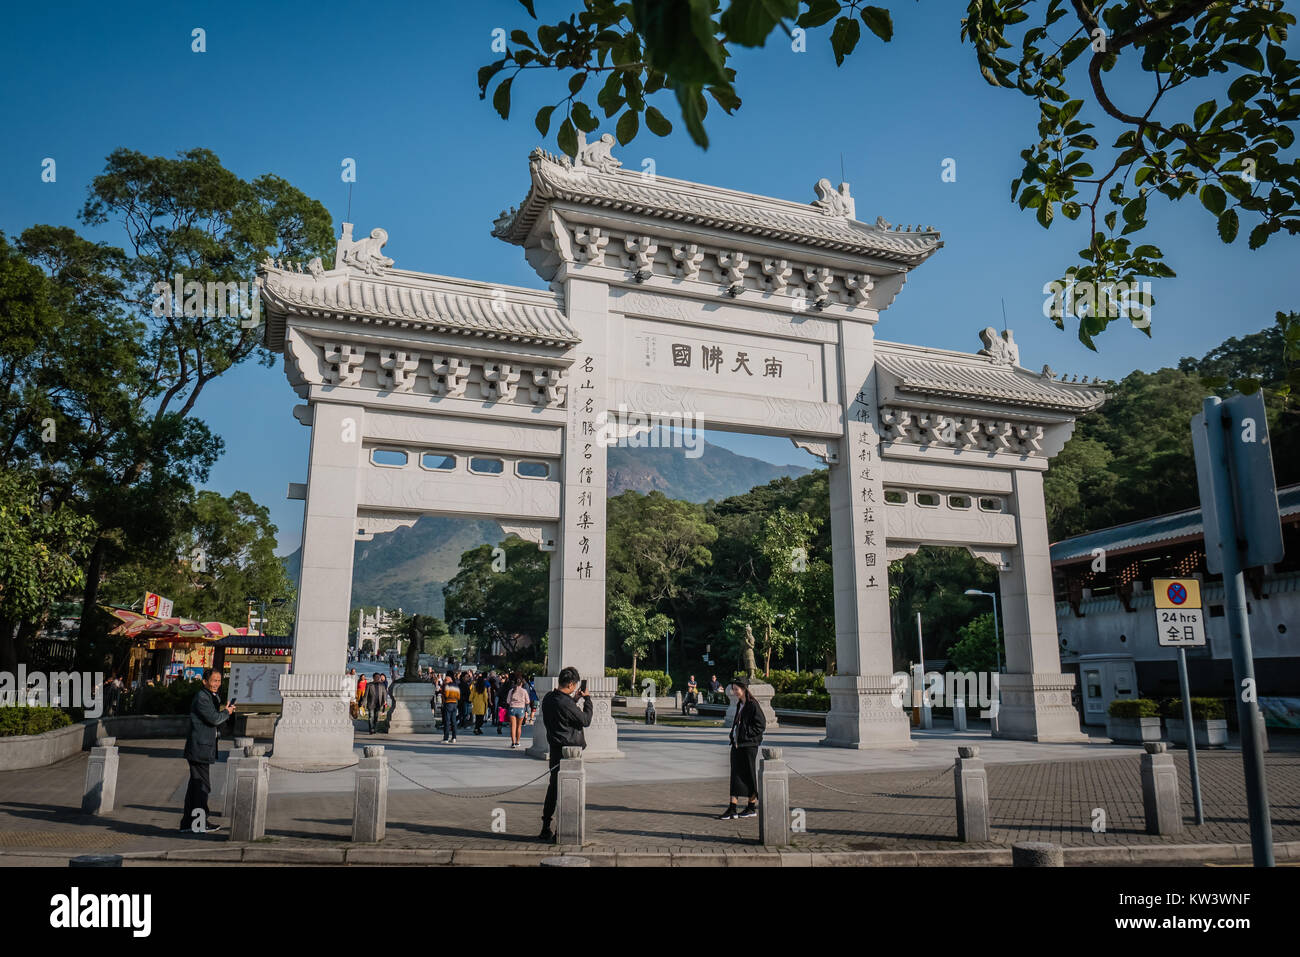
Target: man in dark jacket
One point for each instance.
(564, 723)
(375, 697)
(206, 715)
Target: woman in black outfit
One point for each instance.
(746, 735)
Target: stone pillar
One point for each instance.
(571, 799)
(972, 784)
(238, 749)
(411, 713)
(774, 799)
(248, 803)
(1037, 854)
(315, 728)
(1035, 695)
(1160, 801)
(863, 710)
(370, 800)
(959, 715)
(577, 599)
(100, 795)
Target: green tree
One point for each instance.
(637, 631)
(976, 649)
(40, 553)
(762, 616)
(507, 593)
(1214, 118)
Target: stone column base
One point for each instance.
(866, 712)
(411, 713)
(763, 696)
(315, 729)
(1037, 708)
(601, 735)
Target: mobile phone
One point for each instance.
(233, 701)
(583, 687)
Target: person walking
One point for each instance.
(532, 700)
(376, 695)
(564, 723)
(450, 707)
(478, 701)
(464, 684)
(206, 715)
(516, 705)
(746, 735)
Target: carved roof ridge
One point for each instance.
(679, 200)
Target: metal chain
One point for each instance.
(281, 767)
(892, 793)
(469, 797)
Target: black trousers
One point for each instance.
(744, 772)
(196, 795)
(552, 789)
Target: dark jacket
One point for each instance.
(565, 720)
(748, 726)
(206, 715)
(375, 697)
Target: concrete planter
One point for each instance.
(38, 750)
(1132, 730)
(1210, 732)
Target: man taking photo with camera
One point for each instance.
(564, 723)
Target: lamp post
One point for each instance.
(463, 623)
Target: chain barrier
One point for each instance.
(281, 767)
(891, 793)
(469, 797)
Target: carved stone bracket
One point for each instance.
(398, 370)
(828, 450)
(370, 524)
(899, 550)
(541, 534)
(997, 557)
(642, 249)
(344, 361)
(502, 379)
(928, 427)
(449, 376)
(688, 258)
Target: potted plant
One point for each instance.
(1208, 720)
(1133, 721)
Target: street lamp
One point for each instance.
(993, 595)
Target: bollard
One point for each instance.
(571, 788)
(370, 801)
(774, 800)
(972, 786)
(1160, 790)
(252, 781)
(569, 861)
(959, 715)
(96, 860)
(100, 795)
(239, 748)
(1036, 854)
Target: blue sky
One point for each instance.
(294, 89)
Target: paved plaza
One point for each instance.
(660, 801)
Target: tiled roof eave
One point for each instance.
(1001, 396)
(432, 326)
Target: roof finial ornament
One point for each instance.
(834, 202)
(598, 155)
(1047, 372)
(1001, 349)
(363, 254)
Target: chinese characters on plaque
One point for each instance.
(582, 520)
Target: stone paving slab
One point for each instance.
(905, 813)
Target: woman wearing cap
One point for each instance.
(746, 736)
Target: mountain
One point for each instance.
(408, 567)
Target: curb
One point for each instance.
(373, 855)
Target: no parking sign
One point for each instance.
(1179, 616)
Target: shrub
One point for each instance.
(1202, 709)
(1133, 708)
(15, 721)
(174, 698)
(663, 683)
(784, 681)
(802, 701)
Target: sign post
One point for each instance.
(1234, 472)
(1179, 623)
